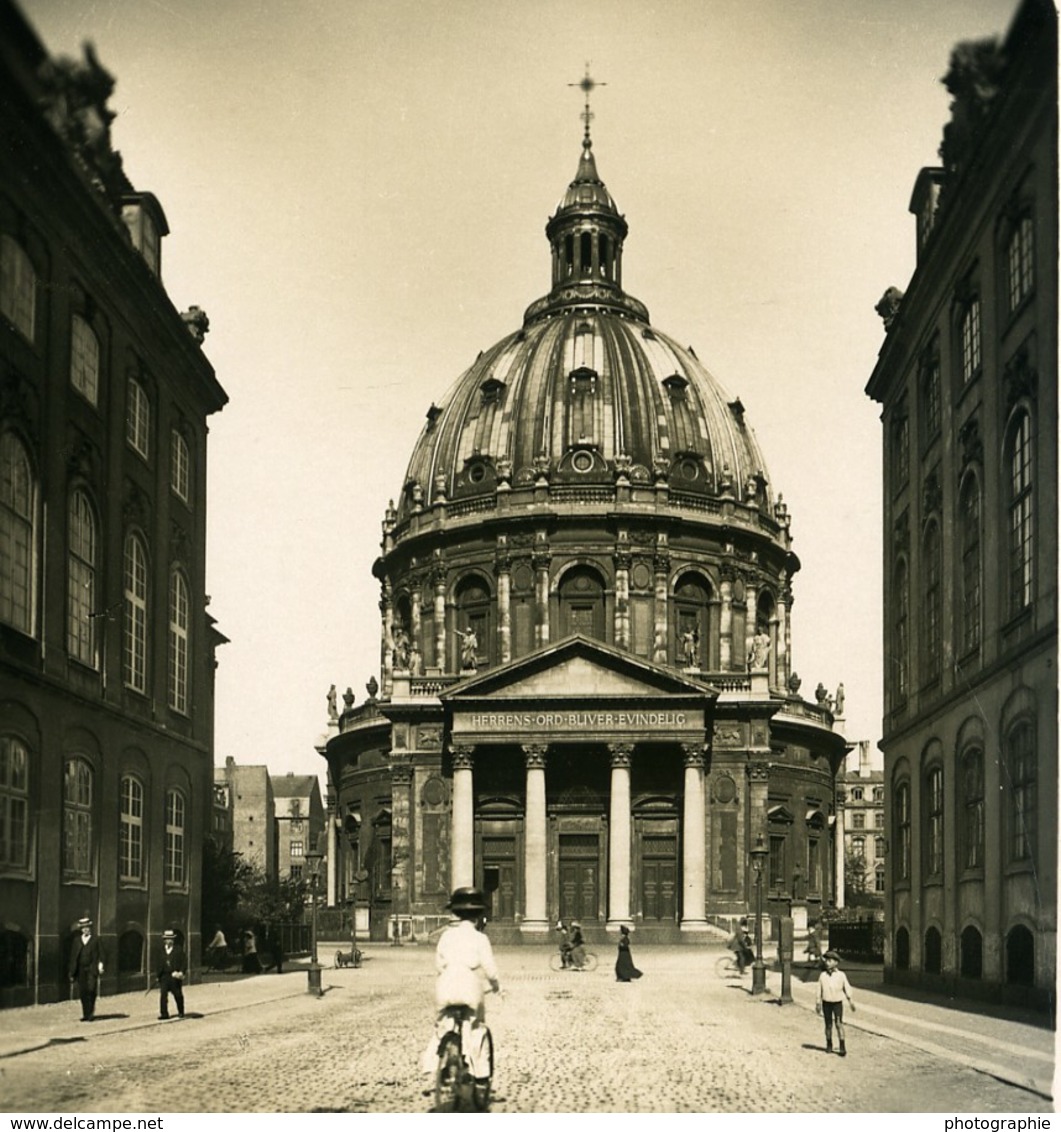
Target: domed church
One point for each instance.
(586, 702)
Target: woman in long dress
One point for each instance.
(624, 964)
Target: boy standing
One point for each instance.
(833, 988)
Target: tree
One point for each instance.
(239, 895)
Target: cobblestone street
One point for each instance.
(680, 1040)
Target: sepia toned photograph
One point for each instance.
(528, 559)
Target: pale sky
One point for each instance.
(357, 192)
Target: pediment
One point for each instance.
(578, 668)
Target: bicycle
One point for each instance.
(726, 967)
(463, 1050)
(588, 962)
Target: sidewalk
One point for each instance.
(1016, 1052)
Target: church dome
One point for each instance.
(587, 390)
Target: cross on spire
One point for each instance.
(587, 85)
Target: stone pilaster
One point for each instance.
(541, 557)
(536, 917)
(619, 836)
(401, 835)
(694, 841)
(386, 611)
(661, 567)
(622, 594)
(503, 569)
(725, 635)
(438, 583)
(462, 840)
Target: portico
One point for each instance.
(579, 789)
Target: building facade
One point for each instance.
(106, 648)
(299, 822)
(253, 813)
(967, 381)
(586, 701)
(860, 801)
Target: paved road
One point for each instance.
(680, 1040)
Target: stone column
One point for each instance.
(503, 569)
(619, 836)
(401, 846)
(416, 629)
(694, 842)
(540, 559)
(751, 597)
(661, 566)
(840, 847)
(725, 634)
(386, 638)
(784, 640)
(438, 579)
(535, 842)
(462, 835)
(622, 595)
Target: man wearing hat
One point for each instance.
(86, 966)
(171, 975)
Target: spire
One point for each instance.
(587, 86)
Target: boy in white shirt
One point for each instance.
(833, 988)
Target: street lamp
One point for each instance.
(313, 863)
(758, 855)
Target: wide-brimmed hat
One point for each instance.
(84, 922)
(467, 900)
(169, 933)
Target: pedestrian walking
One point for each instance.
(86, 966)
(624, 963)
(252, 965)
(171, 971)
(833, 988)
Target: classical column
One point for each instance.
(462, 835)
(416, 629)
(503, 569)
(535, 841)
(622, 595)
(438, 579)
(540, 559)
(751, 598)
(386, 639)
(661, 653)
(619, 836)
(784, 635)
(725, 628)
(694, 842)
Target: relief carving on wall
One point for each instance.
(727, 735)
(429, 737)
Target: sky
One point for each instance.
(357, 192)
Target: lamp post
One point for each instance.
(313, 863)
(758, 855)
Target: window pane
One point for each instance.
(18, 287)
(180, 468)
(17, 510)
(135, 642)
(84, 360)
(14, 803)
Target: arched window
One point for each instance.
(972, 808)
(178, 642)
(902, 831)
(969, 609)
(1021, 533)
(933, 952)
(972, 956)
(1020, 262)
(901, 633)
(84, 359)
(1021, 771)
(175, 869)
(78, 781)
(1020, 957)
(585, 253)
(81, 599)
(582, 603)
(18, 287)
(131, 833)
(933, 824)
(693, 636)
(473, 613)
(134, 654)
(933, 605)
(14, 803)
(902, 949)
(18, 508)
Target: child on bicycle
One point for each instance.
(465, 963)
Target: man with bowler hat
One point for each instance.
(86, 966)
(171, 975)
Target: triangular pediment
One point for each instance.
(577, 668)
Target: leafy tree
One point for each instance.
(238, 895)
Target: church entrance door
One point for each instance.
(659, 879)
(579, 876)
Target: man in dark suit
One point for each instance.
(171, 972)
(86, 966)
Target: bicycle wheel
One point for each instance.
(338, 959)
(590, 961)
(448, 1074)
(556, 962)
(725, 968)
(483, 1084)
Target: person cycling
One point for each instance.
(565, 945)
(465, 963)
(577, 958)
